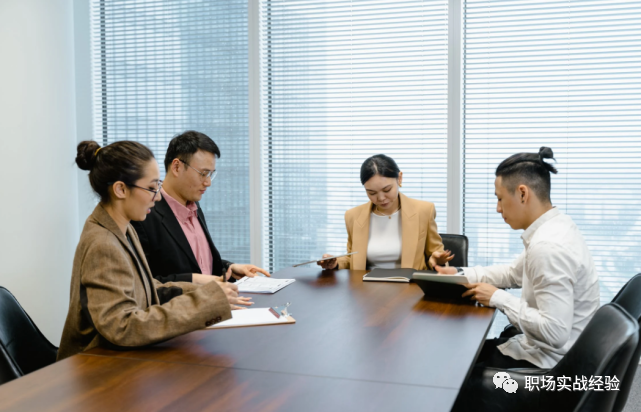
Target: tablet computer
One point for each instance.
(458, 279)
(443, 287)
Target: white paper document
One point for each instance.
(320, 260)
(251, 317)
(262, 284)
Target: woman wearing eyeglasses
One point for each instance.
(391, 230)
(114, 300)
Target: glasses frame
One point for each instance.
(155, 192)
(203, 175)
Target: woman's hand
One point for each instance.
(239, 270)
(231, 291)
(328, 264)
(440, 257)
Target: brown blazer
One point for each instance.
(115, 303)
(420, 236)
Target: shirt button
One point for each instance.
(209, 323)
(218, 319)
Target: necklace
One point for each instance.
(383, 214)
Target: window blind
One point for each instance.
(563, 74)
(163, 67)
(342, 81)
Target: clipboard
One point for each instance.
(257, 317)
(320, 260)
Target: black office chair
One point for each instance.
(629, 298)
(604, 348)
(23, 348)
(459, 245)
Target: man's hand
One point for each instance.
(440, 257)
(239, 270)
(231, 291)
(480, 292)
(328, 264)
(445, 270)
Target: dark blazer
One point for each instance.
(166, 247)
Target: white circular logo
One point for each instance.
(503, 380)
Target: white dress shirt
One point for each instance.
(384, 246)
(560, 290)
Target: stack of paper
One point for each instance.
(262, 284)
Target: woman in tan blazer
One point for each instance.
(114, 300)
(391, 230)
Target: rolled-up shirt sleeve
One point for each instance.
(501, 276)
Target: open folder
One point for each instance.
(254, 317)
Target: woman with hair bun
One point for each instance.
(391, 230)
(114, 300)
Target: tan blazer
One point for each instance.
(114, 302)
(420, 236)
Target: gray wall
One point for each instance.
(39, 216)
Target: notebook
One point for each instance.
(253, 317)
(262, 284)
(393, 275)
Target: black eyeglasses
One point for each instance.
(155, 192)
(203, 175)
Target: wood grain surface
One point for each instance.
(355, 346)
(87, 383)
(345, 328)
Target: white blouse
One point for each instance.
(385, 243)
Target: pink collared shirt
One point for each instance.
(187, 217)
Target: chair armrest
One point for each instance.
(528, 371)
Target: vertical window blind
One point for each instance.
(342, 81)
(161, 67)
(563, 74)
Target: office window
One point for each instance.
(161, 67)
(342, 81)
(563, 74)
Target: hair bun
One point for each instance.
(547, 153)
(86, 157)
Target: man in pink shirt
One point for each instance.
(175, 236)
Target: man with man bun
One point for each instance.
(560, 286)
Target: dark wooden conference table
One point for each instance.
(355, 346)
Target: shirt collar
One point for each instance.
(545, 217)
(182, 213)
